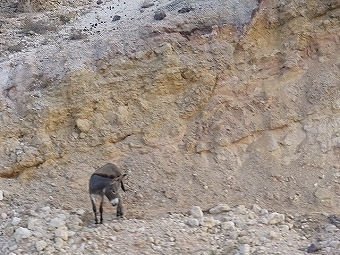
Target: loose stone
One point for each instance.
(159, 15)
(15, 221)
(192, 222)
(219, 209)
(196, 212)
(21, 233)
(40, 245)
(244, 249)
(241, 209)
(228, 225)
(57, 222)
(62, 233)
(275, 218)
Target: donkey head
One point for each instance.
(111, 191)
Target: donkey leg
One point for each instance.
(101, 210)
(94, 210)
(120, 212)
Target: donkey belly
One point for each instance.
(97, 184)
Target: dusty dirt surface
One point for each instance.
(233, 104)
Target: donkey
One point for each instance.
(106, 181)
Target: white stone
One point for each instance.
(21, 233)
(62, 233)
(219, 209)
(196, 212)
(46, 209)
(80, 211)
(264, 212)
(15, 221)
(241, 209)
(192, 222)
(3, 216)
(32, 223)
(244, 249)
(57, 222)
(210, 222)
(284, 228)
(84, 125)
(38, 232)
(252, 215)
(275, 218)
(335, 244)
(244, 240)
(59, 243)
(1, 195)
(257, 209)
(240, 222)
(263, 220)
(331, 228)
(40, 245)
(147, 4)
(273, 235)
(228, 225)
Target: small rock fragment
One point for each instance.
(115, 18)
(273, 235)
(15, 221)
(57, 222)
(192, 222)
(334, 220)
(256, 209)
(244, 249)
(313, 248)
(210, 222)
(219, 209)
(40, 245)
(159, 15)
(147, 4)
(241, 209)
(196, 212)
(21, 233)
(228, 225)
(275, 218)
(62, 233)
(185, 9)
(324, 195)
(84, 125)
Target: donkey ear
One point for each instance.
(122, 185)
(119, 178)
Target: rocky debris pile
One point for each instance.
(220, 230)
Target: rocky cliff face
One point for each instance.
(233, 102)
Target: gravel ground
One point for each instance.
(221, 230)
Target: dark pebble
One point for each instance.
(185, 9)
(313, 248)
(116, 17)
(159, 15)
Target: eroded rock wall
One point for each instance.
(248, 113)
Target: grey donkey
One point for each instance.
(106, 181)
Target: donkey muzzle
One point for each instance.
(114, 201)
